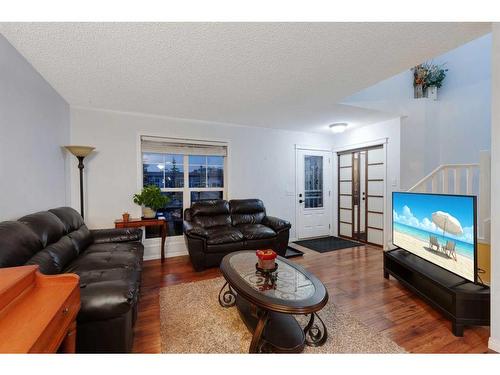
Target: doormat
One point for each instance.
(292, 253)
(326, 244)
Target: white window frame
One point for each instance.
(186, 190)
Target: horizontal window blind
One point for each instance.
(170, 146)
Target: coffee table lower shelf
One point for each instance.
(281, 333)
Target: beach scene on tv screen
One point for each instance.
(438, 228)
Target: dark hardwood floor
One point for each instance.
(355, 283)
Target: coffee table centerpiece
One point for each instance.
(267, 301)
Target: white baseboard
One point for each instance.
(494, 344)
(174, 247)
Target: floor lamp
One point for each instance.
(80, 152)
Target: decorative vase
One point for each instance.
(418, 91)
(266, 259)
(126, 216)
(148, 213)
(432, 92)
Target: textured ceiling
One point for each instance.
(283, 75)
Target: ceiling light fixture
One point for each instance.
(338, 127)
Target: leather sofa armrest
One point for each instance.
(116, 235)
(276, 224)
(194, 230)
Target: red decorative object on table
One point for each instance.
(267, 259)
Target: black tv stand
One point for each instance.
(463, 302)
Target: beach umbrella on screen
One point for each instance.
(447, 223)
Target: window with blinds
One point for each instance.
(186, 171)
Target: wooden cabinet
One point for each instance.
(37, 312)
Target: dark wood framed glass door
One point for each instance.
(361, 189)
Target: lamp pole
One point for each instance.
(80, 167)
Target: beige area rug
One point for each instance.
(192, 321)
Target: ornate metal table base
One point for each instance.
(227, 298)
(272, 331)
(316, 335)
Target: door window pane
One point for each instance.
(313, 181)
(173, 213)
(205, 195)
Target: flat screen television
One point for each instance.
(440, 228)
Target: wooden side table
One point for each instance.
(137, 223)
(38, 312)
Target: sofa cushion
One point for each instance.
(18, 243)
(71, 219)
(45, 225)
(210, 213)
(116, 235)
(98, 260)
(81, 238)
(119, 247)
(247, 211)
(45, 262)
(55, 257)
(223, 234)
(107, 293)
(256, 231)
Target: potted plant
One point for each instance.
(434, 79)
(151, 199)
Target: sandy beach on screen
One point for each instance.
(463, 266)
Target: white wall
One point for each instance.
(34, 124)
(494, 342)
(387, 133)
(452, 129)
(261, 161)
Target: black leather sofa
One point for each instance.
(108, 261)
(214, 228)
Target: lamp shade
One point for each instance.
(80, 151)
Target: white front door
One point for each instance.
(313, 193)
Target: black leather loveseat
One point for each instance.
(214, 228)
(108, 261)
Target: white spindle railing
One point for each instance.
(468, 179)
(439, 180)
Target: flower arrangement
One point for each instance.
(435, 74)
(428, 75)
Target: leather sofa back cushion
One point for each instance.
(54, 258)
(71, 219)
(211, 213)
(81, 238)
(247, 211)
(45, 225)
(45, 262)
(18, 243)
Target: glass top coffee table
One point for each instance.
(267, 302)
